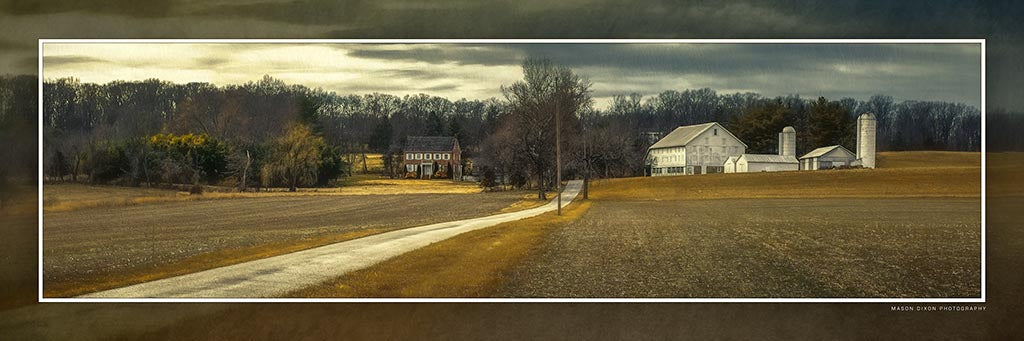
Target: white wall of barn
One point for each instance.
(771, 167)
(711, 149)
(664, 158)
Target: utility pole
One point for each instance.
(558, 154)
(586, 157)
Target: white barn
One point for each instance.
(693, 149)
(766, 163)
(827, 157)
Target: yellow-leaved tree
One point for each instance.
(295, 157)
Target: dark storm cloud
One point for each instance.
(212, 61)
(720, 59)
(741, 59)
(997, 21)
(906, 71)
(58, 61)
(368, 86)
(442, 87)
(441, 54)
(146, 9)
(9, 45)
(415, 74)
(28, 63)
(293, 12)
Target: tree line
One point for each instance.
(104, 132)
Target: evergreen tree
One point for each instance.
(830, 125)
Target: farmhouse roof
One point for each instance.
(685, 134)
(430, 143)
(769, 158)
(825, 150)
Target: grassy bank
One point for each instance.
(473, 264)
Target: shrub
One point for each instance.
(489, 178)
(332, 166)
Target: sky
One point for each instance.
(998, 22)
(939, 72)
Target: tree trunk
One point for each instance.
(540, 188)
(364, 163)
(245, 171)
(74, 174)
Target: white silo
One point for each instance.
(866, 126)
(787, 142)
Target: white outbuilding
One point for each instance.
(785, 160)
(827, 157)
(693, 149)
(730, 164)
(766, 163)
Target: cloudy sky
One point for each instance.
(897, 70)
(945, 72)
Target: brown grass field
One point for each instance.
(954, 174)
(473, 264)
(904, 231)
(927, 159)
(105, 247)
(928, 247)
(64, 197)
(952, 184)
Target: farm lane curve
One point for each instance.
(275, 276)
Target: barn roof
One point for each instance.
(825, 150)
(430, 143)
(769, 158)
(731, 159)
(684, 134)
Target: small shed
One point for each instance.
(749, 163)
(730, 164)
(827, 157)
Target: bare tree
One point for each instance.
(547, 89)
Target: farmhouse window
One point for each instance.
(716, 131)
(410, 168)
(408, 156)
(447, 156)
(419, 156)
(428, 156)
(437, 156)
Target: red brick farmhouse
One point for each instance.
(428, 157)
